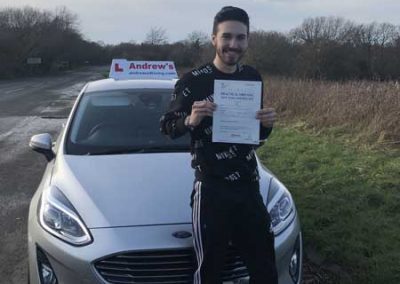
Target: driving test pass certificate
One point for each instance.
(234, 120)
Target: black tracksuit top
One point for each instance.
(218, 161)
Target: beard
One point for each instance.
(230, 56)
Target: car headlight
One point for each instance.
(280, 206)
(58, 217)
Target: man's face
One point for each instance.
(230, 41)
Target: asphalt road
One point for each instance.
(28, 107)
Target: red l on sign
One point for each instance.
(117, 68)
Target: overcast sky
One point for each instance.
(114, 21)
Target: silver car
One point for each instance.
(111, 208)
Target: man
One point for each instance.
(226, 201)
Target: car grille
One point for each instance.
(163, 266)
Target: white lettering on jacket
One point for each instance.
(186, 92)
(205, 70)
(230, 154)
(233, 177)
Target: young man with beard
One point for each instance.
(226, 201)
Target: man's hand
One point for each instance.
(201, 109)
(267, 116)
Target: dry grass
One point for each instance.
(364, 111)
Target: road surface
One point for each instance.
(27, 107)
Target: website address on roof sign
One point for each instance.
(151, 73)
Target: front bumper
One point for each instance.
(76, 264)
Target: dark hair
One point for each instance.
(230, 13)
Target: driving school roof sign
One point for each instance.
(124, 69)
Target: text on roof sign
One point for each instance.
(123, 69)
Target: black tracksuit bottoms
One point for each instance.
(223, 212)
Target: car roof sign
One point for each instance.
(122, 69)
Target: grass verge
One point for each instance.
(348, 199)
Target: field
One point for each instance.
(336, 149)
(362, 111)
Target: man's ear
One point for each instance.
(213, 39)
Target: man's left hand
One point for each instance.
(267, 116)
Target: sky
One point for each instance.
(115, 21)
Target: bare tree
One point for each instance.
(52, 36)
(197, 38)
(156, 36)
(319, 29)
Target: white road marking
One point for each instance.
(5, 135)
(14, 90)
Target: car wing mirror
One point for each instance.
(42, 143)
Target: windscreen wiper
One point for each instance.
(115, 151)
(166, 149)
(147, 149)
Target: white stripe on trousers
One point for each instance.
(198, 246)
(195, 239)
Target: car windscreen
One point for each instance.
(121, 121)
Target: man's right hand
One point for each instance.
(201, 109)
